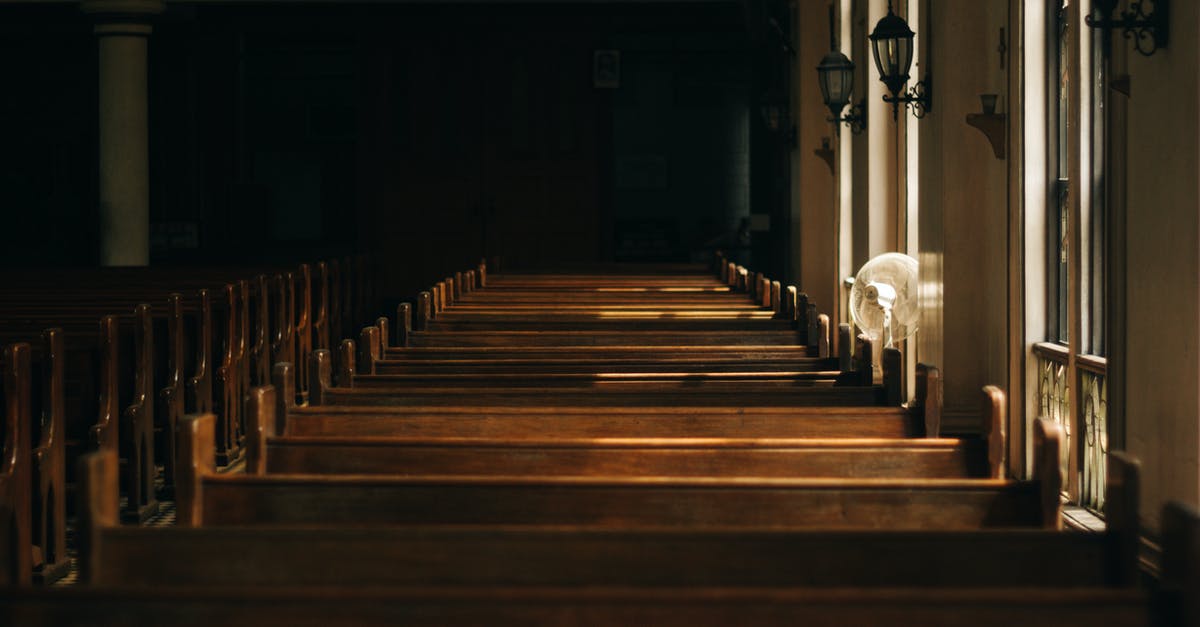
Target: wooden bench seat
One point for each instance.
(551, 337)
(501, 556)
(588, 422)
(452, 606)
(441, 312)
(618, 457)
(471, 415)
(533, 298)
(434, 354)
(604, 501)
(34, 413)
(620, 501)
(598, 281)
(587, 359)
(645, 321)
(110, 398)
(565, 302)
(653, 384)
(592, 366)
(717, 553)
(401, 564)
(545, 452)
(732, 394)
(654, 381)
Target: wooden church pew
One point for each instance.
(536, 444)
(663, 457)
(184, 334)
(810, 329)
(589, 422)
(785, 419)
(379, 358)
(451, 606)
(271, 555)
(126, 392)
(155, 381)
(838, 388)
(633, 322)
(16, 482)
(550, 337)
(559, 554)
(35, 381)
(606, 501)
(178, 335)
(48, 460)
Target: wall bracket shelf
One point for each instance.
(992, 126)
(826, 154)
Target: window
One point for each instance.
(1071, 385)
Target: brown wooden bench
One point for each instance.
(16, 482)
(544, 451)
(378, 358)
(833, 389)
(604, 338)
(144, 379)
(605, 501)
(750, 419)
(182, 357)
(615, 457)
(483, 421)
(765, 554)
(115, 365)
(260, 321)
(447, 606)
(811, 330)
(541, 448)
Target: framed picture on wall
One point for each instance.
(606, 69)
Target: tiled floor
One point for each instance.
(164, 518)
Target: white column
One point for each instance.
(122, 29)
(881, 148)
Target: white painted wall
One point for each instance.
(815, 212)
(963, 210)
(1163, 273)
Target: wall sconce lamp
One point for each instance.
(1149, 31)
(835, 74)
(775, 118)
(892, 45)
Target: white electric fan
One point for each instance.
(883, 301)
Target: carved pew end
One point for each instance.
(345, 365)
(845, 348)
(261, 414)
(1047, 470)
(98, 502)
(403, 324)
(1180, 582)
(137, 428)
(1122, 501)
(16, 545)
(369, 350)
(892, 364)
(49, 459)
(927, 405)
(865, 359)
(195, 463)
(284, 380)
(424, 311)
(995, 411)
(320, 374)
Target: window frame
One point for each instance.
(1071, 381)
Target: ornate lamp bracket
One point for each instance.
(1149, 29)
